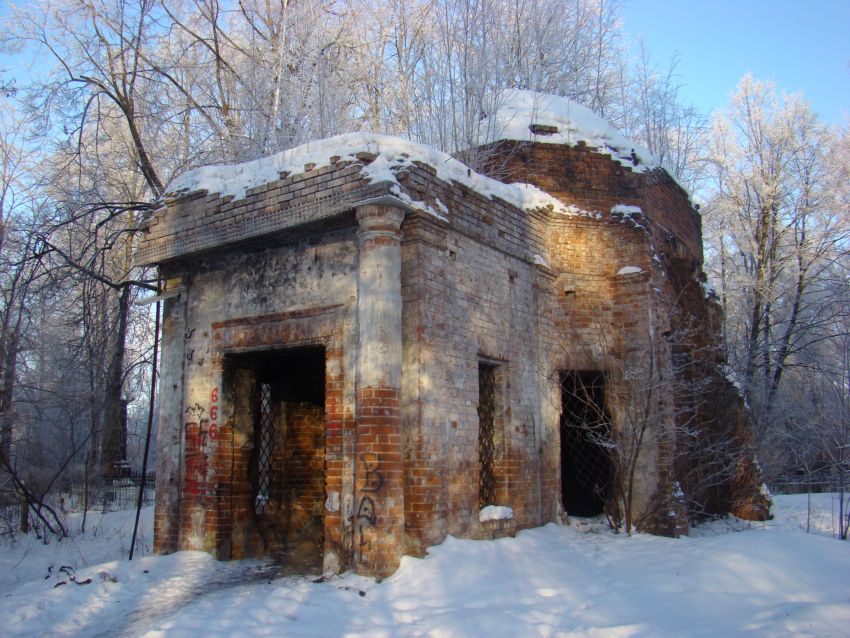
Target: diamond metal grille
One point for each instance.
(265, 448)
(486, 434)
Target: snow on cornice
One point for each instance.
(528, 116)
(392, 154)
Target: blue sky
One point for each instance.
(802, 45)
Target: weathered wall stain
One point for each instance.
(373, 481)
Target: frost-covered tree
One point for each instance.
(653, 111)
(777, 232)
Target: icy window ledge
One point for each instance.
(495, 513)
(539, 260)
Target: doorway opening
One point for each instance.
(279, 402)
(587, 469)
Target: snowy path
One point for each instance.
(162, 602)
(771, 580)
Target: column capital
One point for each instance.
(379, 220)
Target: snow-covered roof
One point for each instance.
(528, 116)
(392, 154)
(519, 115)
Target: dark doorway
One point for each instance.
(281, 409)
(586, 465)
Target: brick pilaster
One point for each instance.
(379, 488)
(170, 424)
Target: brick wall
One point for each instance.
(198, 222)
(468, 297)
(593, 181)
(379, 518)
(285, 295)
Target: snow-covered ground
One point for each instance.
(729, 578)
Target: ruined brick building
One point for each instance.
(365, 343)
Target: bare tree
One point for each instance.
(654, 114)
(642, 415)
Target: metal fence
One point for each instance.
(114, 495)
(814, 484)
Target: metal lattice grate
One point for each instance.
(486, 434)
(265, 448)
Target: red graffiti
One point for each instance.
(196, 461)
(198, 429)
(213, 429)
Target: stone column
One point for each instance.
(379, 488)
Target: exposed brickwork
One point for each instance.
(379, 518)
(404, 308)
(576, 174)
(580, 175)
(201, 221)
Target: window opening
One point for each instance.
(265, 453)
(486, 434)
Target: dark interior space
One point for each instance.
(298, 373)
(586, 467)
